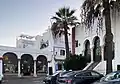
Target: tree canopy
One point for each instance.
(61, 16)
(75, 62)
(95, 8)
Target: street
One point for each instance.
(13, 79)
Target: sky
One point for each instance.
(30, 17)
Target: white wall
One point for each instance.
(81, 35)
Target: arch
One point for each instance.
(94, 39)
(10, 62)
(27, 64)
(87, 52)
(85, 41)
(41, 63)
(97, 49)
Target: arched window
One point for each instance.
(87, 52)
(97, 49)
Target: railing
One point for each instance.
(93, 65)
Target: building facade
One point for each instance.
(91, 42)
(36, 53)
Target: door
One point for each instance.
(82, 78)
(50, 71)
(94, 76)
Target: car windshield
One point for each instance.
(55, 73)
(68, 74)
(63, 73)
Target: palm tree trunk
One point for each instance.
(66, 40)
(108, 37)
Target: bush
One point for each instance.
(75, 62)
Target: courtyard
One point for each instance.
(13, 79)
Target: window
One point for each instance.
(95, 74)
(83, 74)
(62, 52)
(76, 43)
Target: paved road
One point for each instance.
(24, 80)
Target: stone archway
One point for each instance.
(97, 50)
(10, 62)
(87, 52)
(41, 64)
(27, 64)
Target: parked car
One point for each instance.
(79, 77)
(51, 79)
(111, 78)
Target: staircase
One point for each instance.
(93, 65)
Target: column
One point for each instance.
(35, 75)
(1, 66)
(102, 52)
(83, 52)
(73, 40)
(62, 65)
(19, 70)
(92, 58)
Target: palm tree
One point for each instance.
(64, 19)
(92, 9)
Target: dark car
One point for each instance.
(111, 78)
(51, 79)
(79, 77)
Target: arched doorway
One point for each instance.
(41, 64)
(97, 50)
(10, 62)
(87, 52)
(27, 64)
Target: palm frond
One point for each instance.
(56, 18)
(62, 11)
(54, 25)
(71, 13)
(61, 32)
(58, 14)
(74, 24)
(72, 18)
(64, 15)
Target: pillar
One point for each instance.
(102, 52)
(62, 65)
(1, 66)
(92, 58)
(73, 40)
(35, 75)
(19, 70)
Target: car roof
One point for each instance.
(83, 71)
(116, 71)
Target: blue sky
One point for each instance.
(29, 16)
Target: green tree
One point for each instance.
(92, 9)
(64, 20)
(75, 62)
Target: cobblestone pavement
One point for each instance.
(13, 79)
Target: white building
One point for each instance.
(45, 51)
(91, 43)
